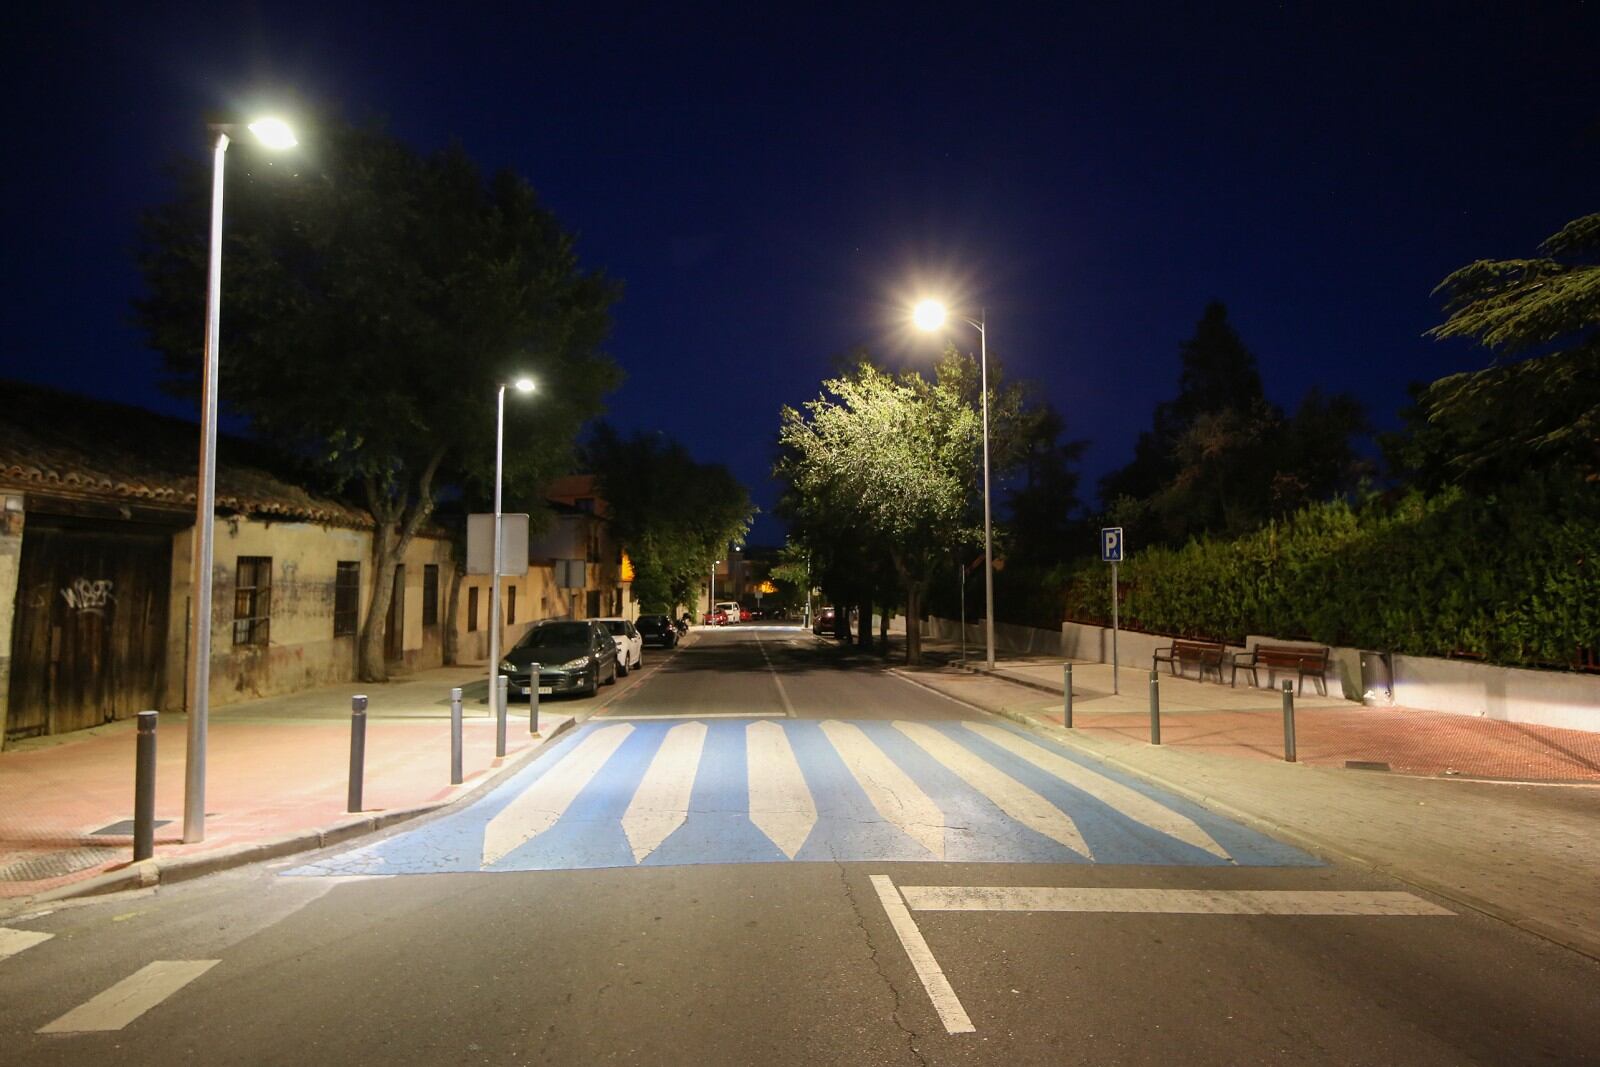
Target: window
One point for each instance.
(593, 604)
(472, 609)
(346, 598)
(252, 601)
(511, 604)
(430, 594)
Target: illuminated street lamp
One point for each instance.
(930, 315)
(524, 385)
(272, 133)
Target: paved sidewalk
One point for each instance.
(1527, 853)
(277, 775)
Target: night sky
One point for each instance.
(774, 189)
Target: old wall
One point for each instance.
(11, 522)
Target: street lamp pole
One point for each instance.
(522, 385)
(274, 134)
(988, 525)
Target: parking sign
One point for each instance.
(1111, 544)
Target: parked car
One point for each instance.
(630, 643)
(744, 613)
(657, 630)
(822, 623)
(573, 657)
(716, 618)
(730, 609)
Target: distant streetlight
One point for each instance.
(930, 315)
(524, 385)
(272, 133)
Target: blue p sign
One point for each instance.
(1111, 544)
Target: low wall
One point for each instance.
(1008, 638)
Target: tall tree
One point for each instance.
(373, 300)
(1044, 495)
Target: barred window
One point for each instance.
(472, 608)
(346, 598)
(430, 594)
(252, 601)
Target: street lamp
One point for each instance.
(524, 385)
(272, 133)
(930, 315)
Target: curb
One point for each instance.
(153, 872)
(1294, 835)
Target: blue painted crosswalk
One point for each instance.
(662, 793)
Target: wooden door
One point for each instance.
(394, 628)
(89, 643)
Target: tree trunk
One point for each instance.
(396, 522)
(883, 632)
(452, 643)
(864, 625)
(913, 625)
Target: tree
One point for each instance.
(373, 300)
(1043, 503)
(675, 515)
(887, 463)
(1490, 426)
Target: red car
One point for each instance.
(744, 614)
(716, 618)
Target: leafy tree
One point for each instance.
(1044, 500)
(1490, 426)
(675, 515)
(373, 300)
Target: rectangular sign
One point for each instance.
(513, 544)
(1111, 544)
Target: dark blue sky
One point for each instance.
(772, 188)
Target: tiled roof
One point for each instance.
(52, 441)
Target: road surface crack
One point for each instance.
(877, 965)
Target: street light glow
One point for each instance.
(274, 133)
(524, 385)
(928, 315)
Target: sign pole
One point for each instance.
(1115, 685)
(1112, 548)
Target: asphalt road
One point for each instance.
(760, 850)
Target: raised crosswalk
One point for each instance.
(684, 791)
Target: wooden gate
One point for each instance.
(89, 643)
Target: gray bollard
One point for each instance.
(358, 750)
(144, 789)
(533, 698)
(1288, 722)
(1066, 692)
(455, 737)
(1155, 708)
(500, 685)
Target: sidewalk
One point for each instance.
(1525, 852)
(277, 780)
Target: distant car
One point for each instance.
(716, 618)
(823, 622)
(630, 643)
(744, 614)
(657, 630)
(730, 609)
(573, 657)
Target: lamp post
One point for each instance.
(930, 315)
(522, 385)
(273, 133)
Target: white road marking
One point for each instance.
(891, 791)
(1167, 901)
(783, 694)
(1130, 802)
(131, 997)
(543, 803)
(14, 941)
(1006, 793)
(701, 715)
(944, 998)
(780, 801)
(661, 803)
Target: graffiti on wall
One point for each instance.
(89, 595)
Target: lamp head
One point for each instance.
(524, 385)
(273, 133)
(928, 315)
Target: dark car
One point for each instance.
(823, 622)
(573, 657)
(657, 630)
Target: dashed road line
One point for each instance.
(130, 998)
(783, 694)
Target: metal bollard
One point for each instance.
(500, 685)
(1066, 690)
(533, 698)
(144, 789)
(455, 737)
(1155, 708)
(1288, 722)
(358, 750)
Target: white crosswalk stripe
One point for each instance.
(131, 997)
(891, 791)
(14, 941)
(661, 803)
(546, 800)
(1004, 791)
(780, 802)
(1130, 802)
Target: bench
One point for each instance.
(1208, 655)
(1305, 662)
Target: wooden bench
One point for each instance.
(1208, 655)
(1305, 662)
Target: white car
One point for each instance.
(731, 607)
(630, 643)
